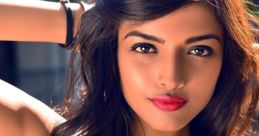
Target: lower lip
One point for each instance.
(166, 105)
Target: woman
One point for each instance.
(162, 68)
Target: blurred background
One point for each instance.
(39, 69)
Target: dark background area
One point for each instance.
(36, 68)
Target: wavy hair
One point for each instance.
(94, 104)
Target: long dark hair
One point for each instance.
(94, 104)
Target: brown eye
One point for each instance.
(201, 51)
(144, 48)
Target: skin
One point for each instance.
(23, 115)
(173, 66)
(35, 20)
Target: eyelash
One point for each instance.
(205, 48)
(198, 48)
(145, 45)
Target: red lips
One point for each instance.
(168, 102)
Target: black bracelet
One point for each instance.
(70, 25)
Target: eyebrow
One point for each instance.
(187, 41)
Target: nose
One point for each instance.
(171, 74)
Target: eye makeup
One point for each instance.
(201, 51)
(148, 49)
(144, 48)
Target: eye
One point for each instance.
(201, 50)
(144, 48)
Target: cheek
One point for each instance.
(136, 82)
(203, 85)
(133, 76)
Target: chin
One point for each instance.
(168, 127)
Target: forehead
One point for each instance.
(191, 20)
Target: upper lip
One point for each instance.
(169, 98)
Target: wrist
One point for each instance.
(77, 13)
(79, 9)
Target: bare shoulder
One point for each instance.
(24, 115)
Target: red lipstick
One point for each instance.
(168, 102)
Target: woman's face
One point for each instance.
(169, 67)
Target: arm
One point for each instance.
(34, 20)
(23, 115)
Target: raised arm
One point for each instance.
(35, 20)
(23, 115)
